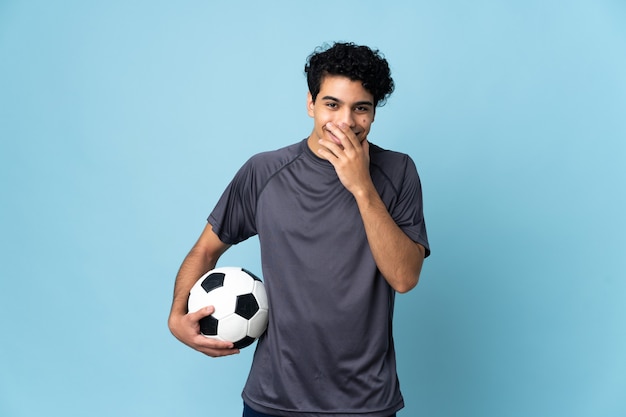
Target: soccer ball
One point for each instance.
(240, 301)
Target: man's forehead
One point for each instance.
(341, 88)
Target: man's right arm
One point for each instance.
(185, 325)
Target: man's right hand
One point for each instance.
(186, 328)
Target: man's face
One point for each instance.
(343, 102)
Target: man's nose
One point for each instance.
(347, 118)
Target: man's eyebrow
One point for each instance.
(358, 103)
(331, 98)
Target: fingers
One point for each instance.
(341, 141)
(188, 332)
(213, 347)
(343, 135)
(202, 313)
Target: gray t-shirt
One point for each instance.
(328, 350)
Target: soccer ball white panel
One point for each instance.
(232, 328)
(223, 301)
(258, 324)
(238, 282)
(261, 296)
(221, 298)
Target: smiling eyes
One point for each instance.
(359, 109)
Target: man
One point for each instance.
(341, 230)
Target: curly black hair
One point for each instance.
(359, 63)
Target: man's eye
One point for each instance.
(362, 109)
(331, 105)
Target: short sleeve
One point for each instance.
(233, 218)
(408, 212)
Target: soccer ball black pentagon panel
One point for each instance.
(240, 301)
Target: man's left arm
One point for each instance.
(398, 258)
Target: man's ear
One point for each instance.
(310, 104)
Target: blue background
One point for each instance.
(122, 121)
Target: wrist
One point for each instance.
(366, 195)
